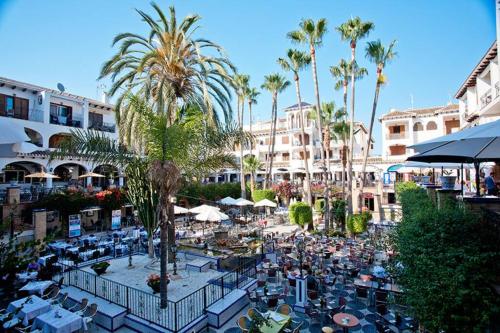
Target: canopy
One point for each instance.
(265, 203)
(228, 201)
(202, 209)
(13, 133)
(91, 174)
(24, 147)
(180, 210)
(423, 165)
(42, 174)
(394, 168)
(243, 202)
(211, 216)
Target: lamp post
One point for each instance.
(301, 246)
(173, 249)
(130, 244)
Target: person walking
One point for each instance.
(491, 186)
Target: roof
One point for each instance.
(35, 89)
(483, 63)
(296, 106)
(395, 114)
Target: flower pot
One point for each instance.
(100, 270)
(155, 287)
(448, 182)
(425, 179)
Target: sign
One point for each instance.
(74, 225)
(387, 178)
(116, 219)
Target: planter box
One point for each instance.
(448, 182)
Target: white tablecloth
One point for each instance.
(37, 287)
(88, 254)
(30, 309)
(72, 249)
(43, 260)
(66, 322)
(23, 277)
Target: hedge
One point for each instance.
(194, 192)
(358, 223)
(300, 213)
(259, 195)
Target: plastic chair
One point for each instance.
(284, 309)
(89, 318)
(80, 307)
(243, 324)
(52, 293)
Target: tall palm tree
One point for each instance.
(342, 74)
(312, 33)
(275, 84)
(294, 62)
(353, 30)
(380, 56)
(241, 87)
(252, 165)
(252, 94)
(170, 69)
(169, 65)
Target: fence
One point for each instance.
(176, 315)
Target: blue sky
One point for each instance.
(439, 42)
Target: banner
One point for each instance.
(387, 178)
(74, 225)
(116, 219)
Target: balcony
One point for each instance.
(396, 136)
(31, 115)
(486, 98)
(103, 127)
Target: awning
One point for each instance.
(394, 168)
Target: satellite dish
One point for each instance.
(60, 87)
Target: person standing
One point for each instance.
(491, 186)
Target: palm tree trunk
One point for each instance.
(268, 171)
(351, 136)
(252, 182)
(307, 183)
(242, 173)
(344, 140)
(368, 142)
(273, 134)
(318, 111)
(250, 116)
(163, 223)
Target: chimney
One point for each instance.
(104, 97)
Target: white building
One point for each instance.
(47, 116)
(403, 128)
(289, 159)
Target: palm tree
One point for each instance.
(171, 70)
(241, 87)
(168, 65)
(353, 30)
(275, 84)
(252, 94)
(342, 73)
(311, 33)
(380, 56)
(252, 165)
(295, 62)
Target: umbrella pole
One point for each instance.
(478, 186)
(462, 179)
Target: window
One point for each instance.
(60, 115)
(9, 106)
(284, 140)
(418, 127)
(12, 106)
(396, 129)
(431, 126)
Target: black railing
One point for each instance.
(144, 305)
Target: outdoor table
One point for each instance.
(277, 322)
(406, 323)
(43, 260)
(351, 321)
(367, 284)
(392, 287)
(37, 287)
(105, 243)
(270, 292)
(59, 246)
(88, 254)
(73, 249)
(30, 309)
(59, 320)
(26, 276)
(90, 239)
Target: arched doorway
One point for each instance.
(69, 172)
(56, 139)
(110, 173)
(17, 171)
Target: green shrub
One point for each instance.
(194, 192)
(259, 195)
(338, 210)
(402, 187)
(358, 223)
(319, 206)
(300, 213)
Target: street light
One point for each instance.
(130, 244)
(173, 249)
(301, 247)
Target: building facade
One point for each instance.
(47, 116)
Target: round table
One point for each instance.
(339, 320)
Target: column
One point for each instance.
(45, 107)
(49, 183)
(300, 294)
(89, 181)
(120, 180)
(85, 111)
(40, 223)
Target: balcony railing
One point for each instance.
(104, 127)
(74, 122)
(396, 136)
(486, 98)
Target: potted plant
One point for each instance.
(153, 282)
(447, 181)
(100, 267)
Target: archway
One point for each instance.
(56, 139)
(110, 173)
(69, 172)
(17, 171)
(418, 127)
(431, 126)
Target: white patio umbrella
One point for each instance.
(202, 209)
(180, 210)
(13, 134)
(42, 174)
(243, 202)
(265, 203)
(211, 215)
(91, 174)
(228, 201)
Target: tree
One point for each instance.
(259, 195)
(295, 62)
(353, 30)
(380, 56)
(342, 73)
(301, 214)
(252, 165)
(275, 84)
(312, 33)
(240, 82)
(252, 94)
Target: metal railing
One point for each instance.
(396, 136)
(486, 98)
(104, 127)
(147, 306)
